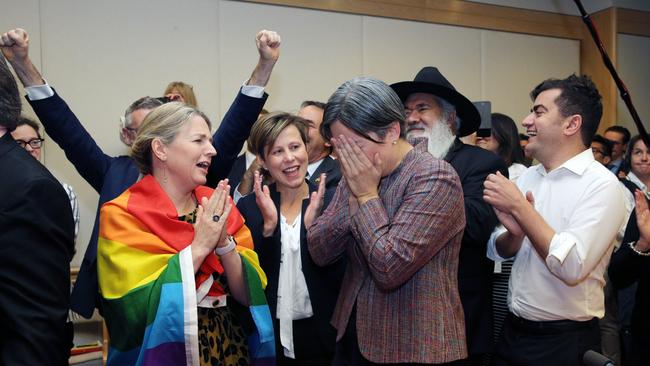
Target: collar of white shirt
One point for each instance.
(577, 164)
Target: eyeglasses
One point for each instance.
(33, 143)
(125, 127)
(598, 151)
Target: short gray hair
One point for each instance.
(364, 105)
(142, 103)
(162, 123)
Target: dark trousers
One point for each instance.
(557, 343)
(347, 349)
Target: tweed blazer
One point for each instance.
(402, 272)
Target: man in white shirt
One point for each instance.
(560, 223)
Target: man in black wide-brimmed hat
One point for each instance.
(434, 109)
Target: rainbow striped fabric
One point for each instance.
(148, 284)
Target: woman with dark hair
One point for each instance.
(175, 258)
(398, 217)
(301, 294)
(630, 263)
(504, 141)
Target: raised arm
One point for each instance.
(243, 112)
(57, 118)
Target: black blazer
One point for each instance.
(627, 267)
(473, 165)
(330, 167)
(323, 283)
(36, 246)
(237, 173)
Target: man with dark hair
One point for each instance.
(36, 245)
(110, 176)
(434, 109)
(619, 136)
(602, 149)
(318, 149)
(553, 226)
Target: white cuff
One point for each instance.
(253, 91)
(560, 246)
(492, 252)
(38, 92)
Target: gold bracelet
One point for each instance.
(632, 246)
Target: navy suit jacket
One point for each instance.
(36, 246)
(330, 167)
(473, 165)
(237, 173)
(323, 283)
(110, 176)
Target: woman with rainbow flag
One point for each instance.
(175, 258)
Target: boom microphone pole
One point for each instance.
(622, 89)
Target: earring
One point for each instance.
(394, 142)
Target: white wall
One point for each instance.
(633, 58)
(100, 56)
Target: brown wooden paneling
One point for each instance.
(452, 12)
(633, 22)
(591, 62)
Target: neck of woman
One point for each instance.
(401, 149)
(290, 195)
(183, 200)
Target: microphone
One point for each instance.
(593, 358)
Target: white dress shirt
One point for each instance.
(311, 168)
(583, 202)
(515, 171)
(293, 295)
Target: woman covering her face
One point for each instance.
(301, 295)
(175, 257)
(398, 217)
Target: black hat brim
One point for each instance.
(469, 115)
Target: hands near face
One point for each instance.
(642, 221)
(361, 174)
(268, 45)
(15, 45)
(316, 200)
(266, 205)
(211, 217)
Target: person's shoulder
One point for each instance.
(425, 164)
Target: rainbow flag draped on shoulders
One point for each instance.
(149, 287)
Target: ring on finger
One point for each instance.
(216, 218)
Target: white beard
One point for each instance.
(440, 139)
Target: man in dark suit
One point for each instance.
(110, 176)
(434, 109)
(319, 150)
(36, 245)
